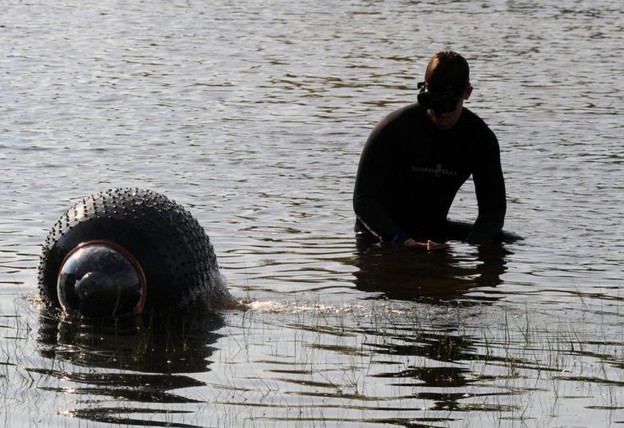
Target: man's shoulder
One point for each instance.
(474, 119)
(408, 110)
(477, 125)
(406, 114)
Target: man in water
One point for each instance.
(418, 157)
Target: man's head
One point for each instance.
(446, 86)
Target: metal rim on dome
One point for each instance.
(138, 308)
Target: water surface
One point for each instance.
(253, 115)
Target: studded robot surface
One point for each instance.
(127, 251)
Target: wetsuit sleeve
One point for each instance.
(490, 190)
(373, 173)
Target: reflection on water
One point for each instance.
(434, 276)
(144, 361)
(172, 345)
(433, 383)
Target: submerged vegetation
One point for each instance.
(376, 362)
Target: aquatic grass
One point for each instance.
(311, 363)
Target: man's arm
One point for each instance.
(372, 175)
(491, 196)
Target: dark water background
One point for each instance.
(252, 114)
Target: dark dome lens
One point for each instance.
(98, 281)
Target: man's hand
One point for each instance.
(429, 245)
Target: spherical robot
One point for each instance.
(127, 251)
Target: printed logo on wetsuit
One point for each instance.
(438, 171)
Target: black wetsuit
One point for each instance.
(410, 172)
